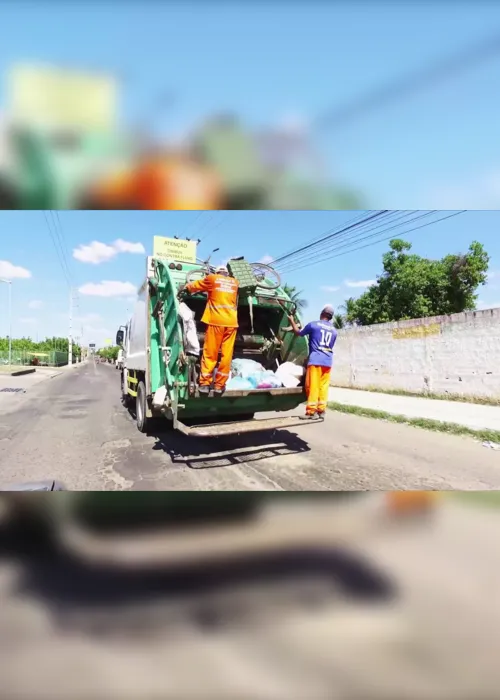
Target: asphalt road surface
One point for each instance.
(73, 427)
(438, 638)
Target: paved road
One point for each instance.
(439, 638)
(73, 427)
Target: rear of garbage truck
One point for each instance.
(162, 370)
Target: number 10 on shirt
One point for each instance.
(326, 338)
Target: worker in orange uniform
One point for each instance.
(160, 180)
(322, 336)
(221, 317)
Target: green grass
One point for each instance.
(487, 498)
(480, 400)
(425, 423)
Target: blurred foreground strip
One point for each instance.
(290, 596)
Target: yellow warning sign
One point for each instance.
(176, 249)
(55, 97)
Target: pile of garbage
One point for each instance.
(248, 375)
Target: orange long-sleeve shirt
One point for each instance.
(161, 183)
(222, 303)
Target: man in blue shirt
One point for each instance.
(321, 336)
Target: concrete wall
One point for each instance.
(458, 354)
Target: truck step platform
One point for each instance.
(245, 426)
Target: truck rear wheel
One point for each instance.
(141, 408)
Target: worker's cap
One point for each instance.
(328, 310)
(221, 270)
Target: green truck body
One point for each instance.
(162, 378)
(52, 168)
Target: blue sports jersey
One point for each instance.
(322, 336)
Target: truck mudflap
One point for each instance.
(245, 426)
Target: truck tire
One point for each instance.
(141, 408)
(124, 392)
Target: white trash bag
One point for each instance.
(290, 374)
(191, 342)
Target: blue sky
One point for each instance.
(41, 300)
(269, 61)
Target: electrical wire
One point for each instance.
(428, 75)
(357, 235)
(330, 234)
(59, 250)
(387, 238)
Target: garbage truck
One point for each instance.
(161, 368)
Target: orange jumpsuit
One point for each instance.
(221, 317)
(160, 183)
(317, 386)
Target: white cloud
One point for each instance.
(359, 283)
(35, 304)
(28, 320)
(266, 260)
(330, 289)
(108, 288)
(126, 247)
(10, 271)
(96, 252)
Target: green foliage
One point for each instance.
(415, 287)
(295, 296)
(109, 352)
(339, 321)
(26, 344)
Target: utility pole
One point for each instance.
(9, 283)
(70, 338)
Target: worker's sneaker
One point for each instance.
(218, 393)
(308, 416)
(204, 390)
(320, 415)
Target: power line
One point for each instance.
(387, 238)
(357, 235)
(358, 216)
(421, 78)
(329, 235)
(391, 223)
(214, 227)
(324, 246)
(59, 251)
(191, 223)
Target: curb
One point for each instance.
(18, 372)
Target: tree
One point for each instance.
(296, 297)
(339, 321)
(110, 352)
(26, 344)
(411, 286)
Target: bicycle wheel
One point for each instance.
(266, 277)
(195, 275)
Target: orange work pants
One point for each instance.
(217, 339)
(317, 385)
